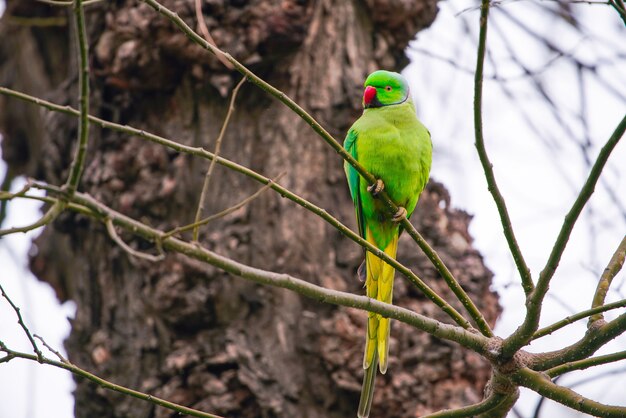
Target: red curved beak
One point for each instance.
(369, 95)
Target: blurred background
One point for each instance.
(554, 91)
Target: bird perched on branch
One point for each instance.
(392, 144)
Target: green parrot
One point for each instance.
(391, 143)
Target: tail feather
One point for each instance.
(379, 284)
(367, 391)
(385, 294)
(373, 268)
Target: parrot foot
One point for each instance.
(362, 272)
(376, 188)
(400, 214)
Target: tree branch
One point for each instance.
(39, 355)
(524, 271)
(224, 212)
(207, 34)
(586, 363)
(78, 162)
(132, 252)
(48, 217)
(534, 301)
(218, 144)
(595, 338)
(565, 396)
(56, 352)
(11, 354)
(64, 3)
(485, 405)
(614, 266)
(573, 318)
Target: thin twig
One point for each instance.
(48, 217)
(322, 213)
(56, 352)
(505, 219)
(207, 34)
(565, 396)
(218, 144)
(224, 212)
(6, 195)
(115, 237)
(68, 3)
(573, 318)
(614, 266)
(78, 162)
(591, 342)
(23, 325)
(183, 410)
(483, 406)
(586, 363)
(37, 22)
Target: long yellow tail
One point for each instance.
(379, 284)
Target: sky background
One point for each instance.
(540, 156)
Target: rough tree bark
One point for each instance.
(188, 332)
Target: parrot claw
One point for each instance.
(400, 214)
(376, 188)
(362, 272)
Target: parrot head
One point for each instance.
(385, 88)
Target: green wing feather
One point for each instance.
(354, 178)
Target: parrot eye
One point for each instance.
(388, 88)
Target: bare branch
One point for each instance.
(218, 143)
(586, 363)
(56, 352)
(522, 267)
(62, 3)
(48, 217)
(225, 212)
(597, 336)
(573, 318)
(207, 35)
(542, 385)
(11, 354)
(20, 321)
(78, 162)
(134, 253)
(485, 405)
(614, 266)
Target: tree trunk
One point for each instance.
(188, 332)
